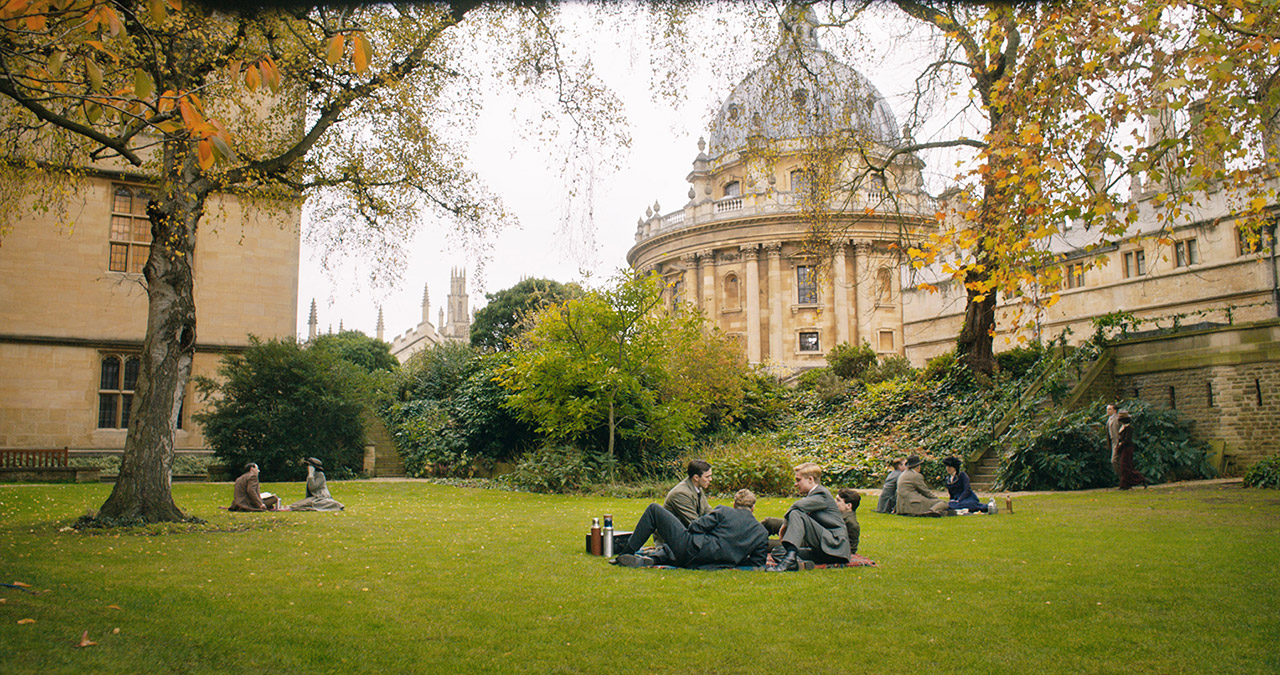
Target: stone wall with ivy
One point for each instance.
(1227, 379)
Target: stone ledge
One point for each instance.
(66, 474)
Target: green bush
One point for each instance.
(1264, 474)
(277, 403)
(1071, 452)
(849, 362)
(938, 367)
(554, 469)
(890, 367)
(1017, 362)
(758, 464)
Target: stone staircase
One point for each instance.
(387, 462)
(1084, 381)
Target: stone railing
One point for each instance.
(731, 204)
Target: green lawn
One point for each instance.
(423, 578)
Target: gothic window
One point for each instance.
(732, 189)
(117, 377)
(806, 285)
(809, 341)
(130, 236)
(732, 300)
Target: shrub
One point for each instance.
(1070, 451)
(1264, 474)
(553, 468)
(826, 385)
(849, 362)
(276, 403)
(758, 464)
(1017, 362)
(938, 367)
(888, 368)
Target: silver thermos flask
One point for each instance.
(608, 535)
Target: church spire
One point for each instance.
(426, 305)
(312, 324)
(380, 322)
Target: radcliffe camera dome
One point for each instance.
(802, 91)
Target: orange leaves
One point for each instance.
(85, 641)
(336, 47)
(22, 622)
(361, 50)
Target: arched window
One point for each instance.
(800, 180)
(732, 189)
(806, 285)
(732, 297)
(118, 376)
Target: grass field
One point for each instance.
(424, 578)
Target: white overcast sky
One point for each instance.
(664, 144)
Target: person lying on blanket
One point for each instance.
(725, 537)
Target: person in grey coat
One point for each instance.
(813, 522)
(724, 537)
(889, 493)
(318, 497)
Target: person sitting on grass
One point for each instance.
(318, 497)
(246, 496)
(847, 500)
(725, 537)
(889, 493)
(961, 494)
(687, 501)
(914, 497)
(813, 522)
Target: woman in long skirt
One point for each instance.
(318, 497)
(1125, 448)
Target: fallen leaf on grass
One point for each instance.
(22, 621)
(114, 607)
(115, 631)
(20, 584)
(85, 641)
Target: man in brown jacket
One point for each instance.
(247, 497)
(914, 497)
(687, 501)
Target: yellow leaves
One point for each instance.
(143, 86)
(336, 47)
(94, 72)
(55, 63)
(915, 253)
(22, 622)
(1258, 203)
(1053, 300)
(927, 287)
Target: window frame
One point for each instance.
(732, 189)
(128, 230)
(801, 338)
(806, 285)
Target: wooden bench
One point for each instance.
(43, 465)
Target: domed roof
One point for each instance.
(802, 91)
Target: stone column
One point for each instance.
(751, 259)
(690, 277)
(840, 289)
(777, 301)
(707, 269)
(863, 282)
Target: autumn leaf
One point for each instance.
(113, 606)
(205, 154)
(251, 78)
(143, 86)
(25, 621)
(336, 44)
(85, 641)
(94, 73)
(363, 53)
(158, 11)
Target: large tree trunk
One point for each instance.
(143, 489)
(975, 344)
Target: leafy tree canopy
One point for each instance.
(500, 321)
(370, 354)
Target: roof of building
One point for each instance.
(802, 91)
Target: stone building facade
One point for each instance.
(455, 328)
(788, 157)
(73, 309)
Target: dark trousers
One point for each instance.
(664, 523)
(804, 532)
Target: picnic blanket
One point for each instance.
(855, 561)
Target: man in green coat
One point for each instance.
(914, 497)
(687, 501)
